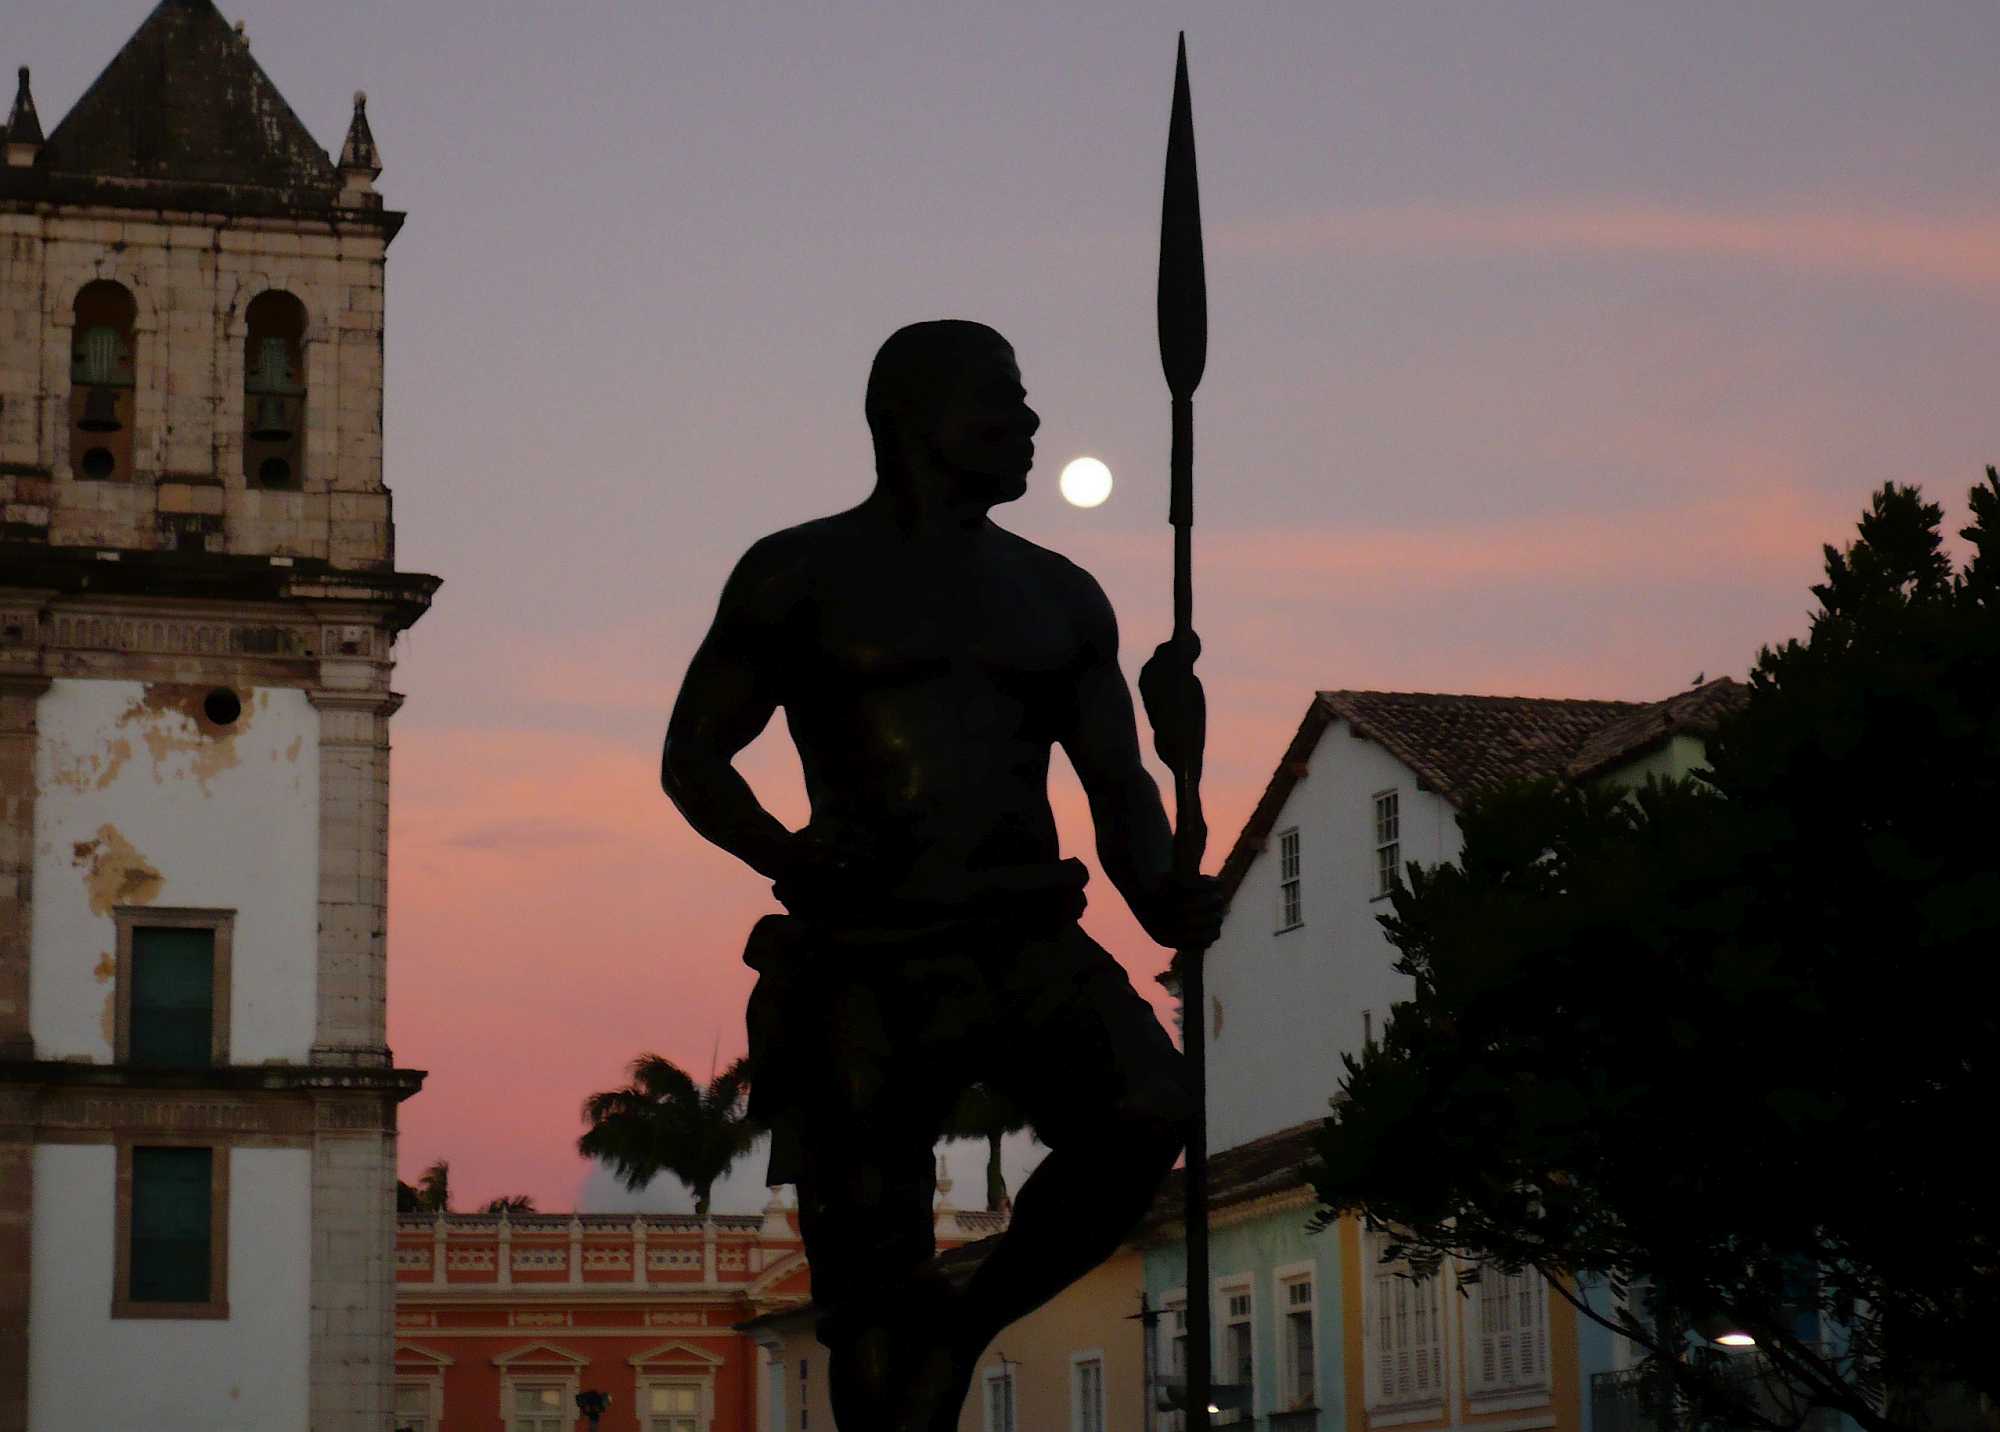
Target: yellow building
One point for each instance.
(1077, 1363)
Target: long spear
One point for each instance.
(1174, 701)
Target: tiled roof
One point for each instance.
(1695, 711)
(1271, 1164)
(1462, 746)
(184, 115)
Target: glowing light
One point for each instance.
(1086, 482)
(1737, 1340)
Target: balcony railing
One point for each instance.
(1642, 1400)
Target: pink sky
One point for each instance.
(1549, 341)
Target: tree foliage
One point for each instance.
(1734, 1038)
(434, 1188)
(432, 1194)
(663, 1122)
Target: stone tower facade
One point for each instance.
(198, 610)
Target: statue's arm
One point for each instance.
(725, 702)
(1134, 840)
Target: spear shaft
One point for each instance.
(1183, 323)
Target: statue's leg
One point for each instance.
(866, 1185)
(1107, 1092)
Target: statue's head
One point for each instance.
(945, 404)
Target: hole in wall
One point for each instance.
(99, 464)
(275, 472)
(222, 706)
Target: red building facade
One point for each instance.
(501, 1321)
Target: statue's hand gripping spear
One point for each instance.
(1168, 686)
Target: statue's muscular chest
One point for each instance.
(873, 625)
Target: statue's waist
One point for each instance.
(942, 909)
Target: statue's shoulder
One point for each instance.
(774, 575)
(792, 554)
(1050, 568)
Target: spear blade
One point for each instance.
(1183, 292)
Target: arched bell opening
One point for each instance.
(101, 382)
(274, 392)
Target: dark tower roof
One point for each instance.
(184, 102)
(184, 117)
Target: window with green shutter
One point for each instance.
(173, 996)
(172, 1222)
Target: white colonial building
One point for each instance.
(1302, 972)
(1314, 1332)
(198, 610)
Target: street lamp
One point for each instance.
(592, 1404)
(1723, 1331)
(1222, 1396)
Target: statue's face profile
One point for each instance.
(983, 428)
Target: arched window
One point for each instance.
(274, 391)
(100, 382)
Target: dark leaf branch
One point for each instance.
(1718, 1038)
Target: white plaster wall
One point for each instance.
(247, 1373)
(137, 806)
(1680, 755)
(1291, 1003)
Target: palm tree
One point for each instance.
(662, 1122)
(434, 1188)
(432, 1194)
(985, 1113)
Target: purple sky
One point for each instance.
(1547, 344)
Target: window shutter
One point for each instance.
(1535, 1324)
(173, 996)
(1513, 1331)
(170, 1225)
(1430, 1355)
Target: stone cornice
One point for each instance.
(318, 1079)
(390, 599)
(1300, 1196)
(212, 206)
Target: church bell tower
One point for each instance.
(199, 605)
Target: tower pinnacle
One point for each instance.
(360, 160)
(24, 127)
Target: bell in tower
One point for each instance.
(100, 411)
(271, 423)
(273, 395)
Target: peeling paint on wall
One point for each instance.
(248, 842)
(172, 722)
(106, 970)
(115, 873)
(92, 772)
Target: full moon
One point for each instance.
(1086, 482)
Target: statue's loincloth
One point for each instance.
(862, 1039)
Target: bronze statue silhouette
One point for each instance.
(927, 661)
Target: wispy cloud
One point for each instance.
(527, 835)
(1733, 536)
(1959, 249)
